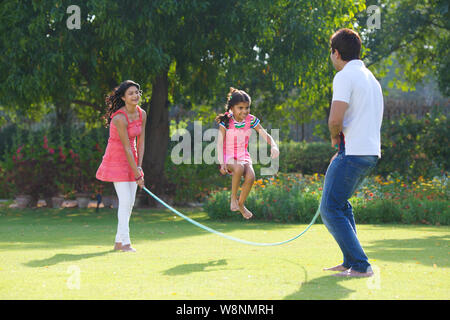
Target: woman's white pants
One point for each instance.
(126, 192)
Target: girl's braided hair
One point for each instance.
(234, 97)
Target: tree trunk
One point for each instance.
(62, 110)
(157, 137)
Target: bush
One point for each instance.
(282, 199)
(414, 148)
(48, 162)
(295, 198)
(410, 147)
(85, 157)
(6, 190)
(33, 167)
(194, 182)
(7, 133)
(307, 158)
(197, 182)
(408, 211)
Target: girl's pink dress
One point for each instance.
(115, 166)
(235, 146)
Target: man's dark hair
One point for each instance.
(347, 42)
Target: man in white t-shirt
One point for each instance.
(354, 123)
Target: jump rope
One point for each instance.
(261, 244)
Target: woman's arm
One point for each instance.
(121, 124)
(274, 148)
(141, 146)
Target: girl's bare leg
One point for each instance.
(249, 179)
(237, 171)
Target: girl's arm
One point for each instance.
(121, 124)
(274, 148)
(141, 146)
(220, 138)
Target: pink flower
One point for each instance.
(45, 142)
(52, 151)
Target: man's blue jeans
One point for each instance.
(342, 178)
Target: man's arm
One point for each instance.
(335, 120)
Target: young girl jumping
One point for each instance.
(235, 129)
(122, 161)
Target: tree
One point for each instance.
(178, 50)
(416, 34)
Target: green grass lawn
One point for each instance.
(67, 254)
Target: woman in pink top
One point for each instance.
(123, 157)
(235, 130)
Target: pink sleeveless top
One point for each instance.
(236, 142)
(115, 166)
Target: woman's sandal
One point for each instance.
(128, 248)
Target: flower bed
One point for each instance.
(295, 198)
(44, 164)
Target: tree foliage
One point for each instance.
(417, 35)
(260, 45)
(190, 52)
(179, 50)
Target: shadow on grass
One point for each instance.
(195, 267)
(326, 287)
(64, 228)
(427, 250)
(64, 257)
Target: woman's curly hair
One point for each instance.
(234, 97)
(114, 100)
